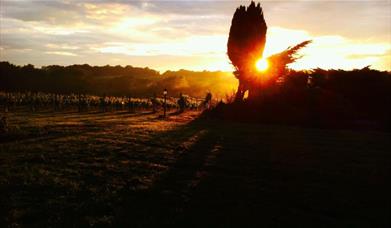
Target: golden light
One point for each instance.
(262, 65)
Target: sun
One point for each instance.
(261, 64)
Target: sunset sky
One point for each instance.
(171, 35)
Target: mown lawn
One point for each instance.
(121, 169)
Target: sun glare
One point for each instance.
(262, 65)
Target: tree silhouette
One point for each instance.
(278, 62)
(246, 42)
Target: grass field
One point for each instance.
(134, 170)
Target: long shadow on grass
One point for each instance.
(164, 200)
(242, 175)
(237, 175)
(212, 178)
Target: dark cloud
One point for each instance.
(54, 12)
(360, 20)
(352, 19)
(346, 18)
(189, 7)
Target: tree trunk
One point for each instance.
(242, 87)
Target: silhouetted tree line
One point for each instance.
(111, 80)
(323, 98)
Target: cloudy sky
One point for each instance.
(189, 34)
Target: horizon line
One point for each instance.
(181, 69)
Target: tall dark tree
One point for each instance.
(246, 42)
